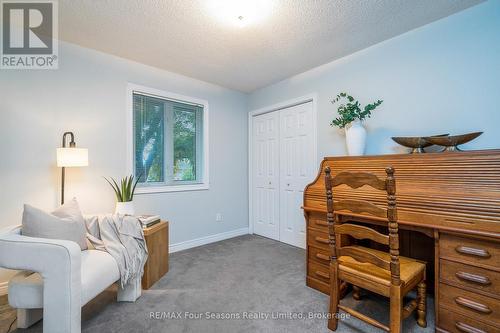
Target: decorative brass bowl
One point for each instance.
(417, 143)
(451, 143)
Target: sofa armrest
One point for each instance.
(59, 264)
(38, 254)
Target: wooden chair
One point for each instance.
(386, 274)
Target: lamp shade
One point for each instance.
(72, 157)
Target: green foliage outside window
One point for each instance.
(184, 145)
(149, 121)
(155, 138)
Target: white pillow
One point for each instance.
(65, 223)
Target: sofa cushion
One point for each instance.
(26, 290)
(98, 269)
(64, 223)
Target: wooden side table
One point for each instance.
(157, 264)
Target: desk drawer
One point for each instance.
(318, 222)
(482, 308)
(475, 252)
(473, 277)
(318, 271)
(456, 323)
(319, 256)
(318, 239)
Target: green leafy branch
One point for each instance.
(351, 110)
(125, 191)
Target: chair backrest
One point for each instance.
(356, 180)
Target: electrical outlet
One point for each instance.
(218, 217)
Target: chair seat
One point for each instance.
(411, 270)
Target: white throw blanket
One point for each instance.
(122, 237)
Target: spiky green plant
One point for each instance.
(352, 110)
(125, 191)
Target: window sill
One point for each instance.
(171, 188)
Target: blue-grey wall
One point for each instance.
(441, 78)
(87, 95)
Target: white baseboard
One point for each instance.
(4, 288)
(207, 240)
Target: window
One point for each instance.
(169, 134)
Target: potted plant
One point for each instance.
(124, 194)
(351, 116)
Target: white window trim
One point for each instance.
(134, 88)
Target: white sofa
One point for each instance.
(58, 277)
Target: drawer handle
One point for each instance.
(322, 257)
(467, 328)
(319, 222)
(322, 240)
(322, 274)
(471, 251)
(479, 279)
(467, 303)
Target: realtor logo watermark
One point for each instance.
(29, 35)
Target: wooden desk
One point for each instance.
(453, 198)
(157, 264)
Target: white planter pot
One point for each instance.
(125, 208)
(355, 135)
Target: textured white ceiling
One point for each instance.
(184, 36)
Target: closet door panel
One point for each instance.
(266, 175)
(283, 164)
(305, 164)
(259, 174)
(288, 166)
(305, 146)
(296, 165)
(273, 175)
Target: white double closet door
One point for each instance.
(283, 162)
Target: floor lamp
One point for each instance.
(70, 157)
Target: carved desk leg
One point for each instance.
(421, 305)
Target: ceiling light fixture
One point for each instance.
(241, 21)
(240, 13)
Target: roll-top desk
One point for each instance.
(454, 198)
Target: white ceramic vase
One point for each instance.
(355, 135)
(125, 208)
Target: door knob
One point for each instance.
(288, 184)
(269, 183)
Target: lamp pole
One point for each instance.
(63, 171)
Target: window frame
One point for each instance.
(203, 183)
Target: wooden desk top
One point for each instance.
(452, 191)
